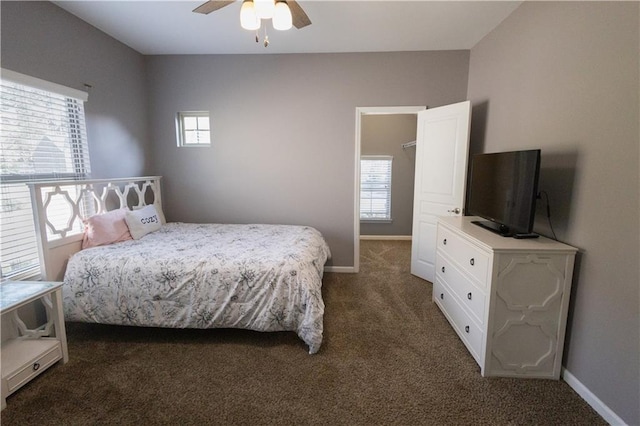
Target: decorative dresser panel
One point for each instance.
(506, 298)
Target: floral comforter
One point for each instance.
(257, 277)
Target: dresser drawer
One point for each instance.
(51, 352)
(469, 332)
(470, 258)
(459, 285)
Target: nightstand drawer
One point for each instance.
(47, 352)
(469, 296)
(470, 258)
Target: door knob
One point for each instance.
(454, 211)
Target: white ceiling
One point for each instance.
(170, 27)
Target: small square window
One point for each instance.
(193, 129)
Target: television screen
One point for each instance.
(503, 189)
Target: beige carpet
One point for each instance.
(388, 357)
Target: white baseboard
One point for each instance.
(595, 402)
(340, 269)
(386, 237)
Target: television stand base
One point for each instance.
(493, 227)
(502, 229)
(521, 236)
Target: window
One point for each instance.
(193, 129)
(375, 187)
(42, 137)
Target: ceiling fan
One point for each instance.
(299, 17)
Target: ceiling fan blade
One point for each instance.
(300, 18)
(211, 5)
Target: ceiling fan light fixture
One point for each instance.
(282, 18)
(248, 18)
(265, 8)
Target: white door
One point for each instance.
(441, 172)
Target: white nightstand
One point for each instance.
(33, 351)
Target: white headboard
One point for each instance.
(60, 206)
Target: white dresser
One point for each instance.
(506, 298)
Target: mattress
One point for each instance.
(256, 277)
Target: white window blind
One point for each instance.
(193, 129)
(42, 137)
(375, 187)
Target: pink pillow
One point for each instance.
(107, 228)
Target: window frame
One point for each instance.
(181, 130)
(388, 218)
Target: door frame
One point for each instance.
(361, 111)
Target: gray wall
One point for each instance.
(41, 40)
(384, 135)
(283, 136)
(563, 77)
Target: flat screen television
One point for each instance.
(503, 188)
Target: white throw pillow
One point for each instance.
(163, 221)
(143, 221)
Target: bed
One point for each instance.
(181, 275)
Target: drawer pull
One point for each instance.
(466, 328)
(36, 366)
(442, 296)
(444, 241)
(443, 269)
(472, 261)
(469, 295)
